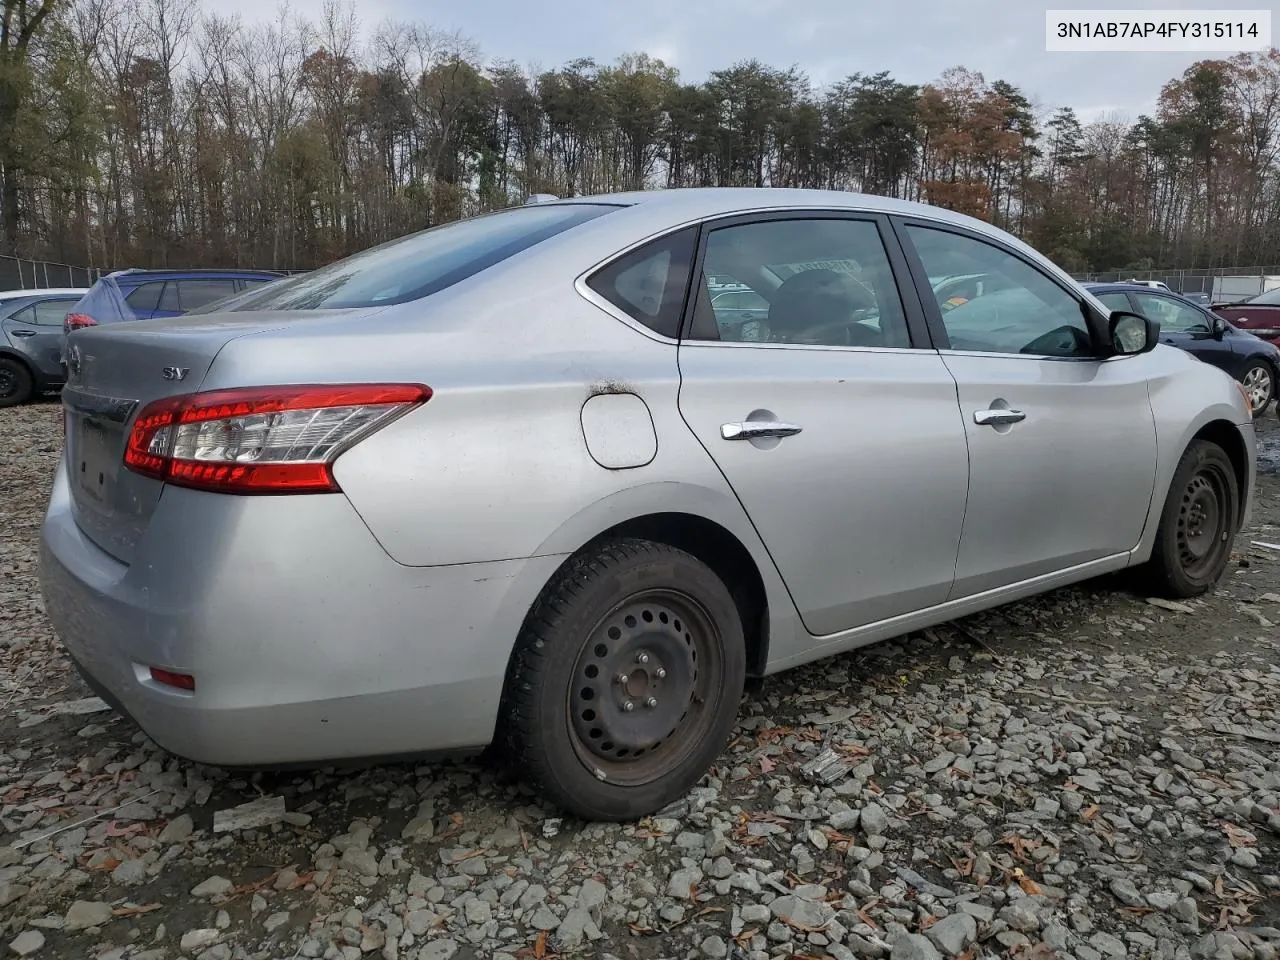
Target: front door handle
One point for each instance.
(758, 429)
(997, 417)
(24, 333)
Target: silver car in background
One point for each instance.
(509, 478)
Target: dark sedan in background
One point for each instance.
(1203, 333)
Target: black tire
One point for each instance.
(1260, 378)
(16, 382)
(628, 621)
(1199, 522)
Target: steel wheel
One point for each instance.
(16, 384)
(625, 681)
(638, 704)
(1259, 384)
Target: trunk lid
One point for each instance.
(113, 372)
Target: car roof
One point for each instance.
(701, 202)
(194, 274)
(43, 292)
(1120, 286)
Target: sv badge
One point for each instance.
(176, 373)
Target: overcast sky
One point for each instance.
(915, 40)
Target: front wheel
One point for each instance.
(1198, 524)
(626, 680)
(1259, 382)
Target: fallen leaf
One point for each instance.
(540, 945)
(1238, 837)
(767, 765)
(135, 911)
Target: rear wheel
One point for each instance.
(1198, 524)
(16, 383)
(1259, 381)
(626, 680)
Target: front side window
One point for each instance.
(813, 282)
(1116, 301)
(648, 284)
(1173, 317)
(1018, 310)
(422, 263)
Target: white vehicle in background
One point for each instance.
(1154, 284)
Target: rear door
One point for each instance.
(1062, 445)
(36, 330)
(47, 318)
(831, 418)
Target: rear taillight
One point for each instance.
(78, 321)
(262, 439)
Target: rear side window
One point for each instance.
(145, 297)
(51, 313)
(1115, 301)
(197, 293)
(169, 302)
(422, 263)
(649, 283)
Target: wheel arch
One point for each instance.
(709, 524)
(1227, 436)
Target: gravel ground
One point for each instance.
(1089, 774)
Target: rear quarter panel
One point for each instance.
(495, 466)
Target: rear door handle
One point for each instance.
(24, 333)
(758, 429)
(997, 417)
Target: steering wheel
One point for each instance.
(855, 334)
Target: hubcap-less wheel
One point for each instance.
(640, 687)
(1257, 383)
(15, 383)
(1201, 532)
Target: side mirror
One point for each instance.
(1132, 333)
(1219, 328)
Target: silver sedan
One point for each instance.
(515, 478)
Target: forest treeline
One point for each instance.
(160, 133)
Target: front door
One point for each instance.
(1062, 445)
(838, 432)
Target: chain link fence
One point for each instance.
(1237, 283)
(19, 274)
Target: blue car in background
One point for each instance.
(144, 294)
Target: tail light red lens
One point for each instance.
(78, 321)
(262, 439)
(180, 681)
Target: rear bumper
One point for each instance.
(306, 641)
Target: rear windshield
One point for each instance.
(422, 263)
